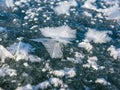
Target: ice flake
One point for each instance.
(86, 44)
(92, 62)
(56, 82)
(20, 50)
(4, 53)
(115, 53)
(101, 81)
(62, 34)
(67, 72)
(55, 37)
(44, 85)
(64, 6)
(97, 36)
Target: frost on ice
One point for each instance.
(55, 37)
(97, 36)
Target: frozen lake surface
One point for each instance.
(59, 45)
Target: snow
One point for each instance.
(4, 53)
(115, 53)
(92, 62)
(64, 6)
(97, 36)
(85, 44)
(6, 70)
(67, 72)
(101, 81)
